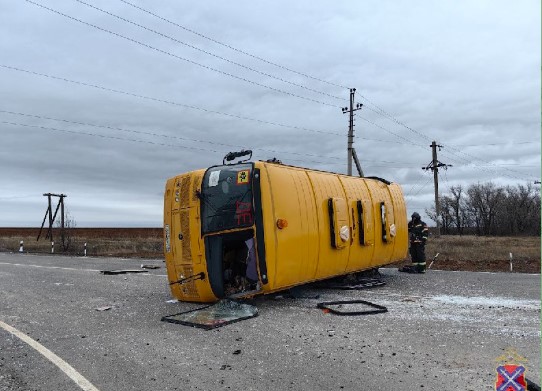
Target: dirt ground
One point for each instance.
(468, 253)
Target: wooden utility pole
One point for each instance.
(351, 153)
(49, 212)
(433, 166)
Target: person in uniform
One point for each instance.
(417, 232)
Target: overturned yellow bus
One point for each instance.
(252, 228)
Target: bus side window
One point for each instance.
(361, 223)
(338, 222)
(383, 220)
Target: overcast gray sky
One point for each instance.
(105, 104)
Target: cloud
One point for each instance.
(464, 74)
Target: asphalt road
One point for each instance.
(443, 331)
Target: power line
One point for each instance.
(494, 144)
(141, 141)
(160, 135)
(181, 58)
(108, 136)
(415, 184)
(424, 185)
(392, 118)
(209, 53)
(199, 108)
(223, 113)
(18, 197)
(154, 134)
(405, 140)
(378, 109)
(483, 168)
(168, 101)
(231, 47)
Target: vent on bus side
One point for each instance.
(185, 191)
(185, 230)
(189, 288)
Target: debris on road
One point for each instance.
(434, 259)
(143, 266)
(338, 307)
(122, 271)
(104, 308)
(217, 315)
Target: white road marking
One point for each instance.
(70, 268)
(48, 267)
(61, 364)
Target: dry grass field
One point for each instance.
(116, 242)
(472, 253)
(481, 253)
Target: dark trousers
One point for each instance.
(417, 254)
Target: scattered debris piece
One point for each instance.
(238, 351)
(347, 285)
(122, 271)
(217, 315)
(104, 308)
(337, 307)
(172, 301)
(143, 266)
(435, 258)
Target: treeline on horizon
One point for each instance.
(488, 209)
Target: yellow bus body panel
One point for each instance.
(326, 214)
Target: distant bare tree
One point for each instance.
(69, 231)
(457, 204)
(490, 210)
(521, 214)
(484, 201)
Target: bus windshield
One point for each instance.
(226, 198)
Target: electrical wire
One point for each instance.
(454, 156)
(493, 144)
(377, 110)
(109, 137)
(231, 47)
(208, 52)
(181, 58)
(168, 101)
(385, 114)
(155, 134)
(18, 197)
(421, 188)
(405, 140)
(416, 184)
(226, 114)
(48, 128)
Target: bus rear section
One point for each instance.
(210, 233)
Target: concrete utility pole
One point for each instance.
(351, 152)
(433, 166)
